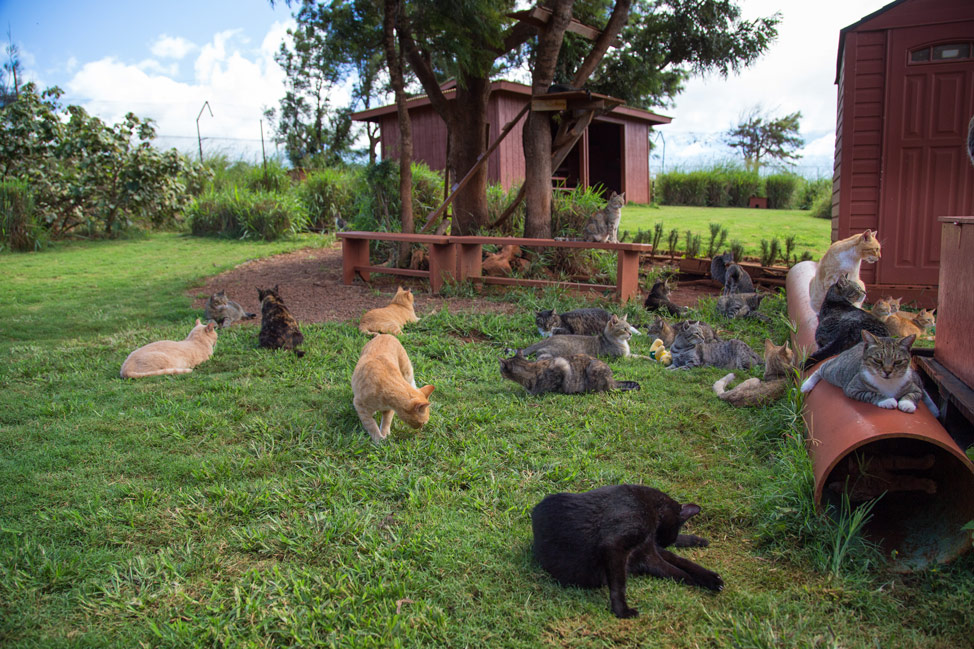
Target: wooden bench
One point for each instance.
(459, 258)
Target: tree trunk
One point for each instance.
(394, 60)
(468, 142)
(537, 128)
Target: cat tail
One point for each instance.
(168, 370)
(298, 352)
(930, 404)
(627, 385)
(720, 385)
(822, 353)
(249, 316)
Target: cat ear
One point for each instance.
(427, 390)
(768, 346)
(688, 511)
(869, 338)
(211, 325)
(907, 342)
(867, 235)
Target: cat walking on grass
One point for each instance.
(171, 356)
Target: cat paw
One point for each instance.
(906, 405)
(889, 404)
(711, 581)
(626, 613)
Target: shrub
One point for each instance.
(20, 228)
(683, 188)
(811, 190)
(780, 190)
(327, 194)
(240, 213)
(270, 178)
(822, 208)
(742, 185)
(498, 200)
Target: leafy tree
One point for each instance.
(760, 137)
(331, 44)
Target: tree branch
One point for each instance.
(424, 70)
(618, 19)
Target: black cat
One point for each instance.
(595, 538)
(659, 298)
(840, 322)
(278, 328)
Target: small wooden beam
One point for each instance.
(539, 17)
(541, 104)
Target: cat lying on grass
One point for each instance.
(565, 374)
(171, 356)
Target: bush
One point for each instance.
(20, 228)
(241, 214)
(742, 185)
(272, 178)
(812, 190)
(822, 208)
(327, 194)
(780, 190)
(684, 188)
(721, 186)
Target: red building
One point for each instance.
(613, 152)
(906, 94)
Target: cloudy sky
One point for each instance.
(164, 60)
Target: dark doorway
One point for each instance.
(605, 156)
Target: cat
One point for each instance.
(604, 224)
(903, 323)
(659, 299)
(383, 381)
(666, 332)
(582, 322)
(278, 328)
(885, 307)
(741, 305)
(730, 275)
(390, 319)
(843, 257)
(598, 537)
(499, 264)
(613, 341)
(225, 311)
(839, 321)
(876, 371)
(779, 367)
(565, 374)
(690, 349)
(718, 267)
(171, 356)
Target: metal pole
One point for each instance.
(262, 153)
(206, 105)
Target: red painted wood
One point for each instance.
(927, 172)
(955, 311)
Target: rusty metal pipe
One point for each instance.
(914, 527)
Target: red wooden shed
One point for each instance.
(906, 94)
(613, 152)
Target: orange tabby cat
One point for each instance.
(843, 257)
(390, 319)
(383, 381)
(498, 264)
(904, 323)
(171, 356)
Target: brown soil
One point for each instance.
(311, 286)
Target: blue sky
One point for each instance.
(164, 59)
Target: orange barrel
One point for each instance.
(928, 480)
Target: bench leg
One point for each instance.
(443, 261)
(627, 275)
(355, 253)
(469, 261)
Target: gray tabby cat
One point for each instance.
(727, 272)
(604, 224)
(690, 349)
(875, 371)
(582, 322)
(225, 311)
(565, 374)
(741, 305)
(666, 332)
(779, 369)
(613, 341)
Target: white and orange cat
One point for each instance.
(383, 382)
(843, 258)
(390, 319)
(172, 356)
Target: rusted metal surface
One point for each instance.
(914, 527)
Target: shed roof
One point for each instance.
(374, 114)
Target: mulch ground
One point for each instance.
(311, 286)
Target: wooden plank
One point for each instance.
(951, 387)
(552, 243)
(393, 236)
(539, 104)
(517, 281)
(389, 270)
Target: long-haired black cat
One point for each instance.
(598, 537)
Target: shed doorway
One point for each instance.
(605, 155)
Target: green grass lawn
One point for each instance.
(243, 505)
(745, 225)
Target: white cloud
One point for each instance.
(171, 47)
(239, 83)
